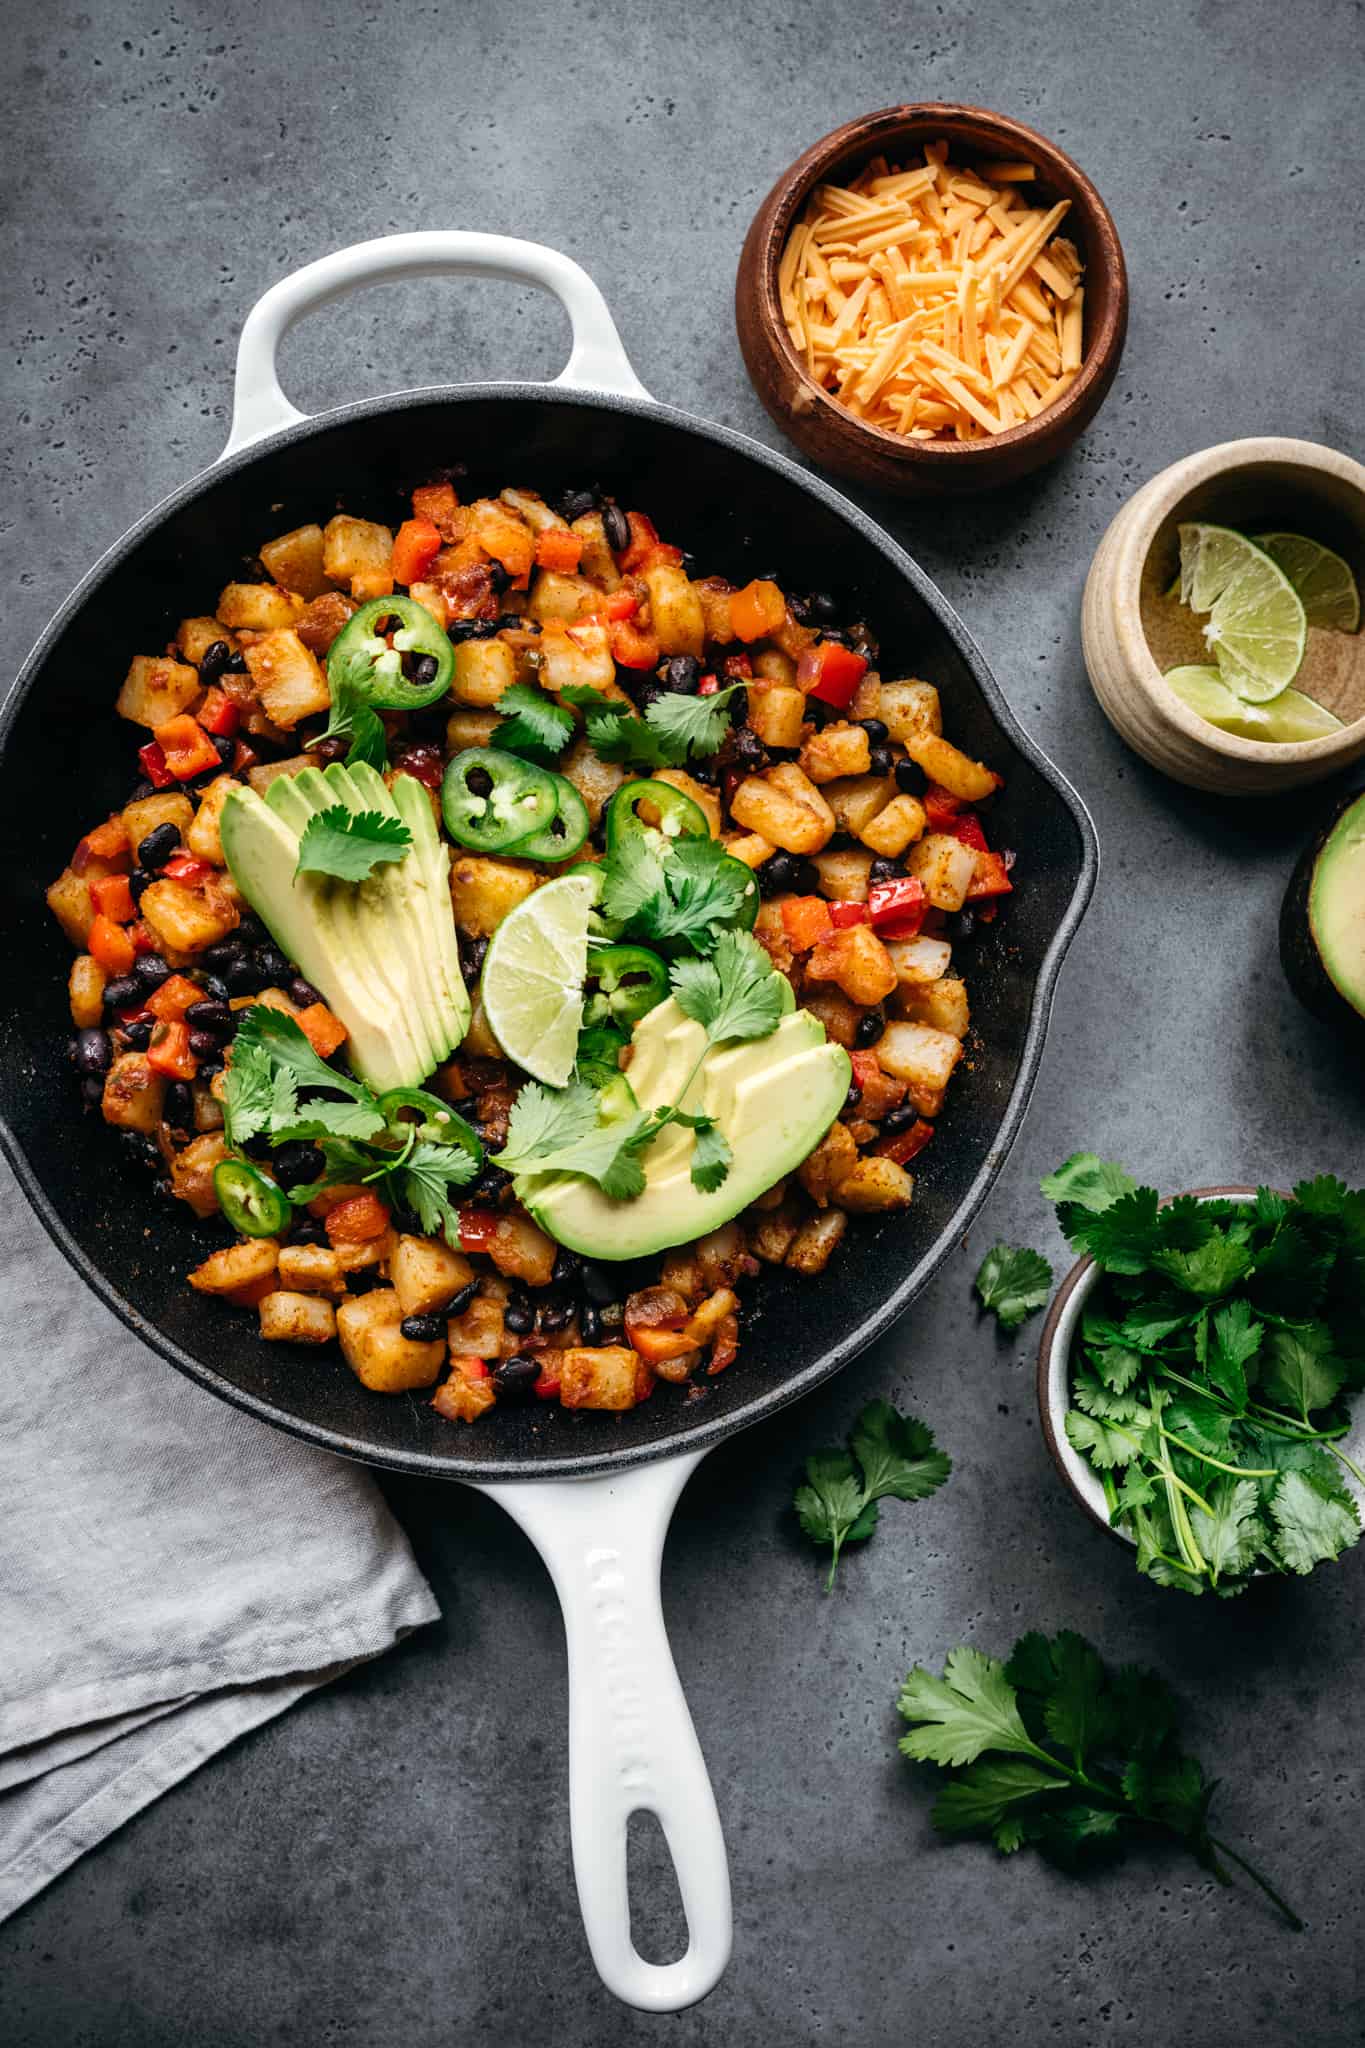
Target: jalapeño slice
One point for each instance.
(491, 801)
(566, 831)
(655, 811)
(630, 982)
(392, 654)
(435, 1123)
(252, 1204)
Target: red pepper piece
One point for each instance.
(967, 827)
(830, 672)
(113, 898)
(940, 807)
(905, 1144)
(644, 535)
(219, 714)
(173, 998)
(415, 547)
(141, 936)
(991, 878)
(169, 1052)
(631, 648)
(559, 549)
(356, 1220)
(186, 748)
(154, 765)
(622, 604)
(708, 687)
(478, 1228)
(108, 842)
(757, 610)
(132, 1013)
(187, 869)
(897, 907)
(805, 921)
(470, 1367)
(547, 1386)
(842, 915)
(244, 757)
(736, 668)
(110, 947)
(866, 1067)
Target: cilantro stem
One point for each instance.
(1290, 1915)
(1240, 1471)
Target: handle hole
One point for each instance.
(658, 1925)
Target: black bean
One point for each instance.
(819, 713)
(150, 970)
(799, 607)
(205, 1046)
(897, 1120)
(499, 578)
(303, 993)
(138, 882)
(807, 878)
(776, 874)
(405, 1223)
(121, 993)
(490, 1184)
(209, 1016)
(870, 1028)
(646, 690)
(306, 1229)
(208, 1068)
(747, 750)
(218, 955)
(516, 622)
(515, 1377)
(296, 1164)
(822, 605)
(616, 526)
(590, 1324)
(423, 1329)
(767, 576)
(909, 778)
(705, 772)
(853, 1098)
(273, 965)
(92, 1051)
(214, 987)
(884, 870)
(471, 629)
(140, 791)
(224, 748)
(92, 1089)
(573, 505)
(518, 1316)
(682, 672)
(214, 660)
(424, 669)
(156, 849)
(879, 761)
(251, 932)
(471, 956)
(566, 1267)
(462, 1299)
(556, 1315)
(598, 1286)
(139, 1035)
(863, 641)
(242, 976)
(177, 1109)
(838, 634)
(235, 665)
(325, 752)
(877, 733)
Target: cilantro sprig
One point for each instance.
(351, 844)
(1211, 1376)
(355, 719)
(1054, 1752)
(692, 893)
(674, 726)
(891, 1456)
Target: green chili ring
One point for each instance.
(679, 817)
(363, 662)
(566, 832)
(518, 803)
(438, 1123)
(251, 1203)
(631, 981)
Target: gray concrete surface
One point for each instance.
(389, 1865)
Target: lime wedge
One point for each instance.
(1327, 589)
(1256, 627)
(533, 976)
(1290, 716)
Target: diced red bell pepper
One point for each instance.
(358, 1219)
(219, 713)
(154, 765)
(966, 826)
(709, 686)
(187, 869)
(416, 545)
(897, 907)
(110, 946)
(622, 603)
(132, 1013)
(108, 842)
(631, 648)
(174, 997)
(991, 878)
(905, 1144)
(842, 915)
(866, 1067)
(469, 1367)
(186, 747)
(141, 936)
(940, 807)
(805, 920)
(478, 1228)
(757, 610)
(558, 549)
(644, 535)
(547, 1386)
(113, 898)
(831, 672)
(169, 1052)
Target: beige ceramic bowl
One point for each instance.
(1257, 486)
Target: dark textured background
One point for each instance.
(389, 1864)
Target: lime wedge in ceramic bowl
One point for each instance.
(1289, 716)
(533, 976)
(1326, 588)
(1256, 626)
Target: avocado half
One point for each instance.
(1322, 920)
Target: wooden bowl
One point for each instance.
(1256, 485)
(826, 431)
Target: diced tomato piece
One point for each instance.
(805, 920)
(113, 898)
(622, 603)
(632, 648)
(219, 714)
(644, 535)
(831, 672)
(478, 1228)
(757, 610)
(323, 1031)
(416, 545)
(188, 869)
(842, 915)
(966, 826)
(243, 757)
(991, 878)
(559, 549)
(357, 1219)
(663, 554)
(169, 1052)
(897, 907)
(110, 946)
(905, 1144)
(438, 504)
(108, 842)
(940, 807)
(174, 997)
(186, 747)
(154, 765)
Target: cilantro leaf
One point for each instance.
(1105, 1444)
(692, 893)
(893, 1456)
(350, 844)
(1301, 1370)
(980, 1797)
(285, 1044)
(1232, 1341)
(424, 1181)
(1312, 1524)
(532, 723)
(354, 719)
(619, 736)
(1211, 1269)
(737, 993)
(544, 1120)
(248, 1092)
(1122, 1235)
(1087, 1182)
(711, 1155)
(585, 698)
(318, 1119)
(1013, 1282)
(691, 725)
(971, 1709)
(1230, 1539)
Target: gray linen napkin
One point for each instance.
(172, 1573)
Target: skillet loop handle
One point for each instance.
(597, 361)
(632, 1746)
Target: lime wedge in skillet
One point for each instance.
(1290, 716)
(1256, 626)
(1327, 589)
(533, 976)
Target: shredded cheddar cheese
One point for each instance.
(932, 300)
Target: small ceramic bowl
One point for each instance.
(826, 431)
(1054, 1384)
(1256, 486)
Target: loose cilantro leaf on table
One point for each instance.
(1211, 1373)
(1053, 1751)
(350, 844)
(1013, 1283)
(892, 1457)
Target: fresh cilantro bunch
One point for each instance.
(1013, 1283)
(1052, 1751)
(891, 1456)
(412, 1165)
(673, 727)
(350, 844)
(1211, 1374)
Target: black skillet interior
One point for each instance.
(68, 760)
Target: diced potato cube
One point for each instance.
(858, 961)
(945, 866)
(774, 1232)
(504, 536)
(835, 751)
(427, 1274)
(192, 1172)
(596, 560)
(539, 516)
(194, 637)
(876, 1184)
(378, 1353)
(893, 829)
(68, 898)
(557, 595)
(294, 560)
(815, 1242)
(166, 807)
(156, 689)
(917, 960)
(953, 770)
(351, 547)
(461, 1399)
(750, 847)
(844, 875)
(289, 678)
(260, 607)
(296, 1318)
(824, 1170)
(596, 781)
(785, 807)
(265, 772)
(85, 992)
(483, 890)
(776, 667)
(470, 729)
(478, 1333)
(777, 712)
(716, 596)
(208, 1111)
(940, 1003)
(856, 802)
(918, 1054)
(204, 837)
(705, 799)
(133, 1094)
(237, 1265)
(675, 610)
(579, 658)
(521, 1249)
(610, 1376)
(909, 709)
(483, 670)
(188, 919)
(311, 1269)
(364, 1254)
(834, 1010)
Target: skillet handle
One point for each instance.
(632, 1746)
(597, 361)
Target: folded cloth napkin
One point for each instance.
(172, 1572)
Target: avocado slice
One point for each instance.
(1322, 921)
(773, 1097)
(382, 952)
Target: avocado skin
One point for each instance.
(1303, 965)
